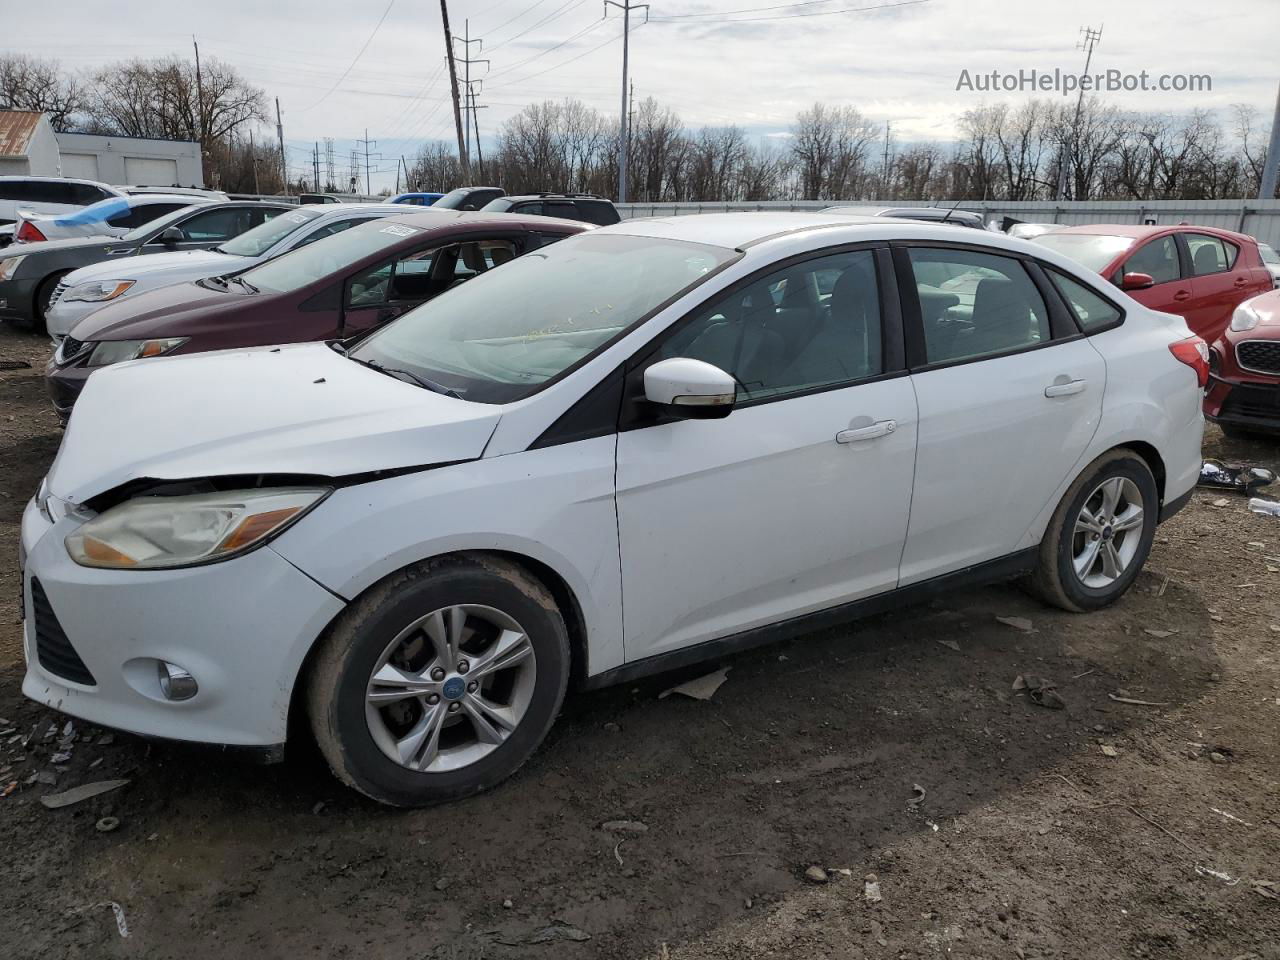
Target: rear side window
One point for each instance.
(1157, 258)
(86, 193)
(15, 190)
(1092, 311)
(531, 209)
(1210, 254)
(976, 304)
(782, 335)
(561, 208)
(598, 212)
(144, 214)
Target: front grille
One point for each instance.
(58, 291)
(53, 649)
(71, 348)
(1260, 356)
(1252, 400)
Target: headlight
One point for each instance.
(151, 533)
(97, 291)
(9, 266)
(118, 351)
(1243, 319)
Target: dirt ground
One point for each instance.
(1031, 840)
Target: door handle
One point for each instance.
(881, 428)
(1242, 281)
(1182, 295)
(1065, 389)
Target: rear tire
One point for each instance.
(1100, 535)
(440, 681)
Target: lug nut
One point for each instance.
(453, 708)
(463, 666)
(472, 687)
(437, 674)
(433, 699)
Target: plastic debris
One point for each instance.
(816, 874)
(118, 910)
(1269, 507)
(1018, 623)
(1217, 875)
(83, 792)
(1039, 690)
(1231, 816)
(1109, 751)
(703, 688)
(558, 931)
(1119, 698)
(871, 889)
(1234, 476)
(918, 795)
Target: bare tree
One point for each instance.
(27, 83)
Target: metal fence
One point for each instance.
(1258, 218)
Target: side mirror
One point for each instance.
(691, 389)
(172, 235)
(1137, 281)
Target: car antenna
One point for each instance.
(951, 211)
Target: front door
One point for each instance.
(1007, 407)
(798, 500)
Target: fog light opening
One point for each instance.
(175, 682)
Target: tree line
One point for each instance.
(1033, 149)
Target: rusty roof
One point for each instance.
(16, 130)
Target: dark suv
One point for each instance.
(468, 198)
(567, 206)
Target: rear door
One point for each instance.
(1220, 279)
(798, 500)
(1009, 396)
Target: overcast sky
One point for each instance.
(899, 64)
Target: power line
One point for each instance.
(793, 16)
(563, 63)
(515, 66)
(558, 12)
(729, 13)
(506, 23)
(376, 28)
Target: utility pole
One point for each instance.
(1088, 38)
(453, 85)
(626, 7)
(284, 164)
(407, 185)
(475, 119)
(253, 157)
(315, 163)
(200, 105)
(884, 186)
(367, 142)
(1267, 185)
(469, 93)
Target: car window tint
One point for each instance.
(139, 215)
(597, 211)
(1157, 258)
(408, 277)
(976, 304)
(15, 190)
(213, 226)
(560, 208)
(1091, 310)
(1209, 254)
(531, 209)
(329, 229)
(783, 334)
(87, 193)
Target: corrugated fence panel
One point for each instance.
(1259, 218)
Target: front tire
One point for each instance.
(1100, 535)
(440, 681)
(43, 300)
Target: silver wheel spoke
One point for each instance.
(1088, 523)
(419, 747)
(444, 629)
(391, 684)
(1111, 491)
(1087, 558)
(493, 723)
(511, 647)
(1129, 520)
(1111, 565)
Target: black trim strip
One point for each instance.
(1171, 507)
(999, 569)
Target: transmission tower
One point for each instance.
(1089, 38)
(353, 172)
(470, 88)
(330, 183)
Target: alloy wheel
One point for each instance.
(1108, 532)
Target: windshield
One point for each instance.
(297, 268)
(264, 236)
(504, 334)
(1093, 250)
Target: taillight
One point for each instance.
(1194, 352)
(29, 233)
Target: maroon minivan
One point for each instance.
(340, 287)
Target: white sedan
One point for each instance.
(624, 452)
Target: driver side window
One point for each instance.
(809, 325)
(1158, 259)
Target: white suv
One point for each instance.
(624, 452)
(46, 196)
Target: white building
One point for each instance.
(130, 160)
(28, 145)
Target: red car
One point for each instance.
(337, 288)
(1199, 273)
(1244, 363)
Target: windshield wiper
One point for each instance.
(220, 281)
(420, 380)
(244, 283)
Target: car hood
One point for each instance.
(173, 266)
(295, 410)
(161, 311)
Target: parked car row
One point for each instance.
(525, 453)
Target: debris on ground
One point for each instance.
(950, 644)
(1018, 623)
(703, 688)
(816, 874)
(107, 824)
(871, 888)
(917, 797)
(14, 365)
(1217, 875)
(1039, 690)
(1258, 505)
(1159, 634)
(118, 910)
(1234, 476)
(1266, 888)
(558, 931)
(1120, 697)
(1109, 751)
(83, 792)
(1231, 816)
(624, 826)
